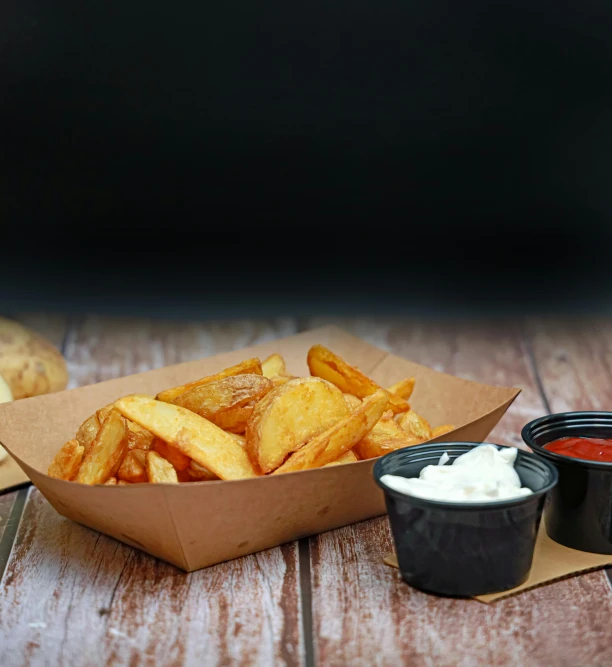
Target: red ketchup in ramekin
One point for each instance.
(589, 449)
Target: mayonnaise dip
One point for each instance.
(483, 474)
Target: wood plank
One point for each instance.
(69, 592)
(364, 614)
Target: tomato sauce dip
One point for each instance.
(591, 449)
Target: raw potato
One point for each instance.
(347, 457)
(415, 425)
(274, 365)
(325, 364)
(159, 470)
(29, 364)
(247, 366)
(133, 469)
(222, 401)
(441, 430)
(66, 463)
(6, 395)
(106, 452)
(193, 435)
(404, 388)
(385, 437)
(171, 454)
(342, 436)
(289, 416)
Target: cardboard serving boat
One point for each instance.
(195, 525)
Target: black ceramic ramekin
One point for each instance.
(579, 514)
(463, 549)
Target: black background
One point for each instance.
(269, 157)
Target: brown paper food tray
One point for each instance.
(199, 524)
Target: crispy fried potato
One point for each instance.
(138, 437)
(66, 463)
(184, 476)
(172, 454)
(159, 470)
(223, 401)
(404, 388)
(193, 435)
(88, 430)
(385, 437)
(441, 430)
(347, 457)
(122, 482)
(240, 439)
(111, 481)
(247, 366)
(133, 468)
(289, 416)
(342, 436)
(106, 452)
(273, 365)
(278, 380)
(415, 425)
(325, 364)
(103, 413)
(200, 473)
(352, 401)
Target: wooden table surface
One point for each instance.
(70, 596)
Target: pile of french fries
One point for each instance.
(249, 420)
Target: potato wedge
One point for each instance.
(103, 413)
(160, 471)
(290, 415)
(200, 473)
(247, 366)
(221, 401)
(352, 401)
(66, 462)
(172, 454)
(403, 388)
(133, 467)
(441, 430)
(122, 482)
(106, 452)
(87, 432)
(193, 435)
(415, 425)
(273, 365)
(342, 436)
(325, 364)
(347, 457)
(385, 437)
(240, 439)
(138, 437)
(111, 481)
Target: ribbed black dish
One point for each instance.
(463, 549)
(579, 514)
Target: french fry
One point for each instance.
(385, 437)
(441, 430)
(240, 439)
(342, 436)
(223, 402)
(172, 454)
(278, 380)
(274, 365)
(347, 457)
(352, 401)
(325, 364)
(133, 467)
(122, 482)
(103, 413)
(193, 435)
(111, 481)
(415, 425)
(138, 437)
(66, 462)
(200, 473)
(289, 416)
(403, 388)
(87, 432)
(247, 366)
(106, 451)
(159, 470)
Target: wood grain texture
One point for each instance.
(7, 500)
(364, 615)
(69, 592)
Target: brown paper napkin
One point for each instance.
(551, 562)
